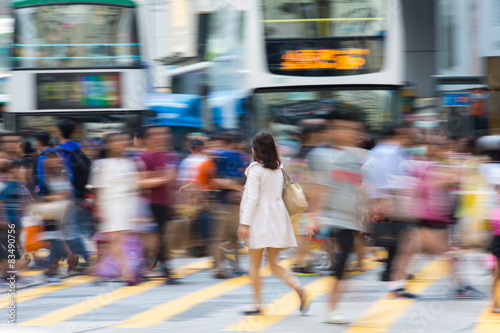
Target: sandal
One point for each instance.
(305, 301)
(254, 312)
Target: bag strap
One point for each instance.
(285, 176)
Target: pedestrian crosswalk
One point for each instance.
(215, 305)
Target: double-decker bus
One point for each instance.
(77, 59)
(277, 62)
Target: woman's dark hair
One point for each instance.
(26, 147)
(265, 151)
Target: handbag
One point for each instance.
(293, 196)
(385, 233)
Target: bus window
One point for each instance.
(325, 38)
(75, 35)
(319, 18)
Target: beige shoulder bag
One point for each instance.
(293, 196)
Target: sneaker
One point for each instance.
(304, 271)
(402, 293)
(153, 274)
(327, 268)
(170, 280)
(468, 292)
(238, 273)
(221, 276)
(385, 276)
(335, 317)
(52, 280)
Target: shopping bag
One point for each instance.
(33, 230)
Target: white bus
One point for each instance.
(281, 61)
(75, 59)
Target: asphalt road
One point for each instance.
(203, 304)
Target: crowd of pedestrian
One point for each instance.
(120, 213)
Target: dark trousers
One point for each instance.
(391, 254)
(160, 214)
(345, 241)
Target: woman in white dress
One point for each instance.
(264, 220)
(115, 181)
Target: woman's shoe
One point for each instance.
(336, 318)
(72, 262)
(254, 312)
(305, 301)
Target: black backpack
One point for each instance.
(80, 167)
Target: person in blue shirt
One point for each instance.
(15, 195)
(13, 198)
(44, 146)
(72, 231)
(76, 221)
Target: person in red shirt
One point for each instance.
(157, 177)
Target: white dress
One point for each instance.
(263, 209)
(117, 184)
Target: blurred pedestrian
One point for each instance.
(14, 199)
(336, 189)
(490, 145)
(78, 166)
(313, 132)
(190, 166)
(28, 162)
(157, 180)
(435, 206)
(54, 209)
(115, 182)
(9, 146)
(389, 180)
(264, 220)
(224, 174)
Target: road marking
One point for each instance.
(287, 304)
(40, 291)
(163, 312)
(488, 322)
(31, 273)
(113, 296)
(385, 312)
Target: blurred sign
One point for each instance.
(78, 91)
(325, 56)
(456, 99)
(320, 59)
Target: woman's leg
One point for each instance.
(359, 246)
(255, 261)
(117, 249)
(287, 276)
(496, 289)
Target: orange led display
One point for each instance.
(324, 59)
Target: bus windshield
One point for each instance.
(320, 18)
(75, 35)
(285, 110)
(325, 37)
